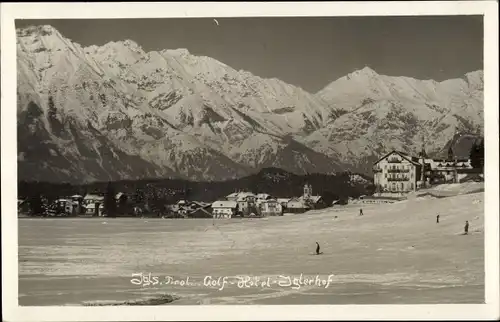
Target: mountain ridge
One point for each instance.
(172, 114)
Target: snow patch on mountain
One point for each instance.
(170, 113)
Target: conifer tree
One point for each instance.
(450, 154)
(477, 155)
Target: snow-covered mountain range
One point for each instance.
(116, 111)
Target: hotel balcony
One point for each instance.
(398, 179)
(393, 160)
(375, 170)
(398, 170)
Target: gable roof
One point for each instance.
(93, 196)
(202, 209)
(314, 199)
(402, 154)
(283, 199)
(224, 204)
(246, 194)
(201, 204)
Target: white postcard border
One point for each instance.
(11, 310)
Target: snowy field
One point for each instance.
(394, 254)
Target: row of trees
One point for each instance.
(476, 155)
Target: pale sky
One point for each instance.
(309, 52)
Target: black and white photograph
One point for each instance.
(228, 160)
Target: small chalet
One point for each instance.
(95, 209)
(283, 201)
(224, 209)
(65, 206)
(296, 206)
(242, 196)
(93, 198)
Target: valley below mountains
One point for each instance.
(116, 112)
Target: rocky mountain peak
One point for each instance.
(365, 71)
(117, 112)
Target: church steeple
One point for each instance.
(422, 155)
(307, 191)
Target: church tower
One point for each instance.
(422, 156)
(307, 191)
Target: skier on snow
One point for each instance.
(317, 249)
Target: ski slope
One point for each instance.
(394, 254)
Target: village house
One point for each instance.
(191, 209)
(283, 201)
(443, 171)
(77, 203)
(270, 207)
(232, 197)
(243, 206)
(200, 210)
(64, 205)
(305, 202)
(224, 209)
(314, 202)
(180, 208)
(242, 196)
(94, 209)
(93, 204)
(92, 198)
(262, 197)
(297, 206)
(246, 202)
